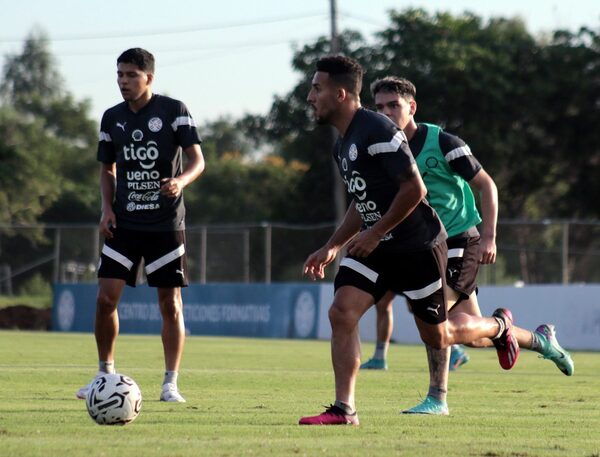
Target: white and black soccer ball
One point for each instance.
(114, 399)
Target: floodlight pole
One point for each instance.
(335, 39)
(339, 191)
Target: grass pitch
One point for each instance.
(244, 398)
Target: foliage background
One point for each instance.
(527, 106)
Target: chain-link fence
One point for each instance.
(552, 251)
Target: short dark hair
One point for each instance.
(345, 71)
(140, 57)
(394, 85)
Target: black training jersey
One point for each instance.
(371, 156)
(147, 147)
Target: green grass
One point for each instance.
(245, 397)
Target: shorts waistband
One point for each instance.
(470, 233)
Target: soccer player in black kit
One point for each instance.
(394, 239)
(141, 181)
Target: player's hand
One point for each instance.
(171, 187)
(364, 243)
(107, 223)
(487, 250)
(314, 267)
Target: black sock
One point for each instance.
(344, 407)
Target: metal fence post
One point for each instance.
(56, 271)
(246, 254)
(268, 246)
(561, 251)
(565, 253)
(6, 281)
(203, 236)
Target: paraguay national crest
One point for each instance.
(353, 152)
(155, 124)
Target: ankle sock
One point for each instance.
(381, 350)
(106, 367)
(170, 378)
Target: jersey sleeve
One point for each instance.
(459, 156)
(106, 148)
(390, 148)
(184, 127)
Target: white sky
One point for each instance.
(228, 57)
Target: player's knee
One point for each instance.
(436, 340)
(341, 317)
(106, 303)
(171, 308)
(336, 315)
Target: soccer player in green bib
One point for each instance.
(449, 170)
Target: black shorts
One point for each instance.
(163, 254)
(463, 264)
(419, 276)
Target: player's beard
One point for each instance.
(322, 119)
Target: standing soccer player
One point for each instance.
(393, 237)
(449, 169)
(142, 179)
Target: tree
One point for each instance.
(224, 136)
(290, 130)
(234, 189)
(48, 171)
(30, 76)
(29, 183)
(526, 106)
(569, 97)
(243, 180)
(469, 76)
(53, 132)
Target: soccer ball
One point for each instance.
(114, 399)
